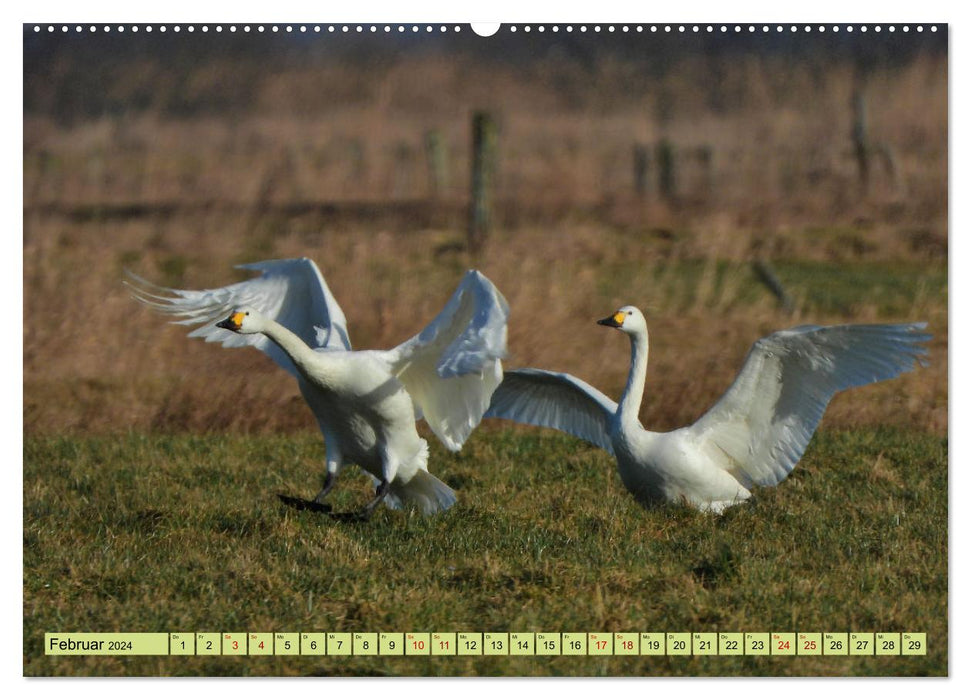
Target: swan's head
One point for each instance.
(243, 320)
(628, 319)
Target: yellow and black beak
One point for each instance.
(233, 323)
(615, 321)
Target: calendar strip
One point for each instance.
(438, 644)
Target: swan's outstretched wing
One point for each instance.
(292, 292)
(554, 400)
(760, 428)
(451, 368)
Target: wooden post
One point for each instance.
(436, 156)
(358, 157)
(665, 168)
(861, 145)
(889, 159)
(403, 164)
(705, 154)
(484, 144)
(642, 161)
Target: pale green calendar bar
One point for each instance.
(106, 644)
(485, 643)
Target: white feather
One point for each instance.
(452, 367)
(554, 400)
(759, 429)
(291, 292)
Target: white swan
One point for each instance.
(753, 435)
(366, 402)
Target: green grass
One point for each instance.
(895, 289)
(891, 290)
(185, 533)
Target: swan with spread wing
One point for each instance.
(366, 402)
(754, 434)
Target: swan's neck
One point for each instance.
(630, 402)
(297, 350)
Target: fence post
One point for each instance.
(889, 159)
(665, 168)
(861, 145)
(436, 155)
(642, 161)
(705, 157)
(484, 145)
(401, 183)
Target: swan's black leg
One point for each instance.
(329, 482)
(379, 494)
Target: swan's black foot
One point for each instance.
(303, 504)
(379, 494)
(329, 482)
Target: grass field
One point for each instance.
(185, 533)
(152, 463)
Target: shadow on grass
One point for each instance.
(298, 503)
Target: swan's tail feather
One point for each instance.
(423, 491)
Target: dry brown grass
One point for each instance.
(573, 241)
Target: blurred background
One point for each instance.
(728, 185)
